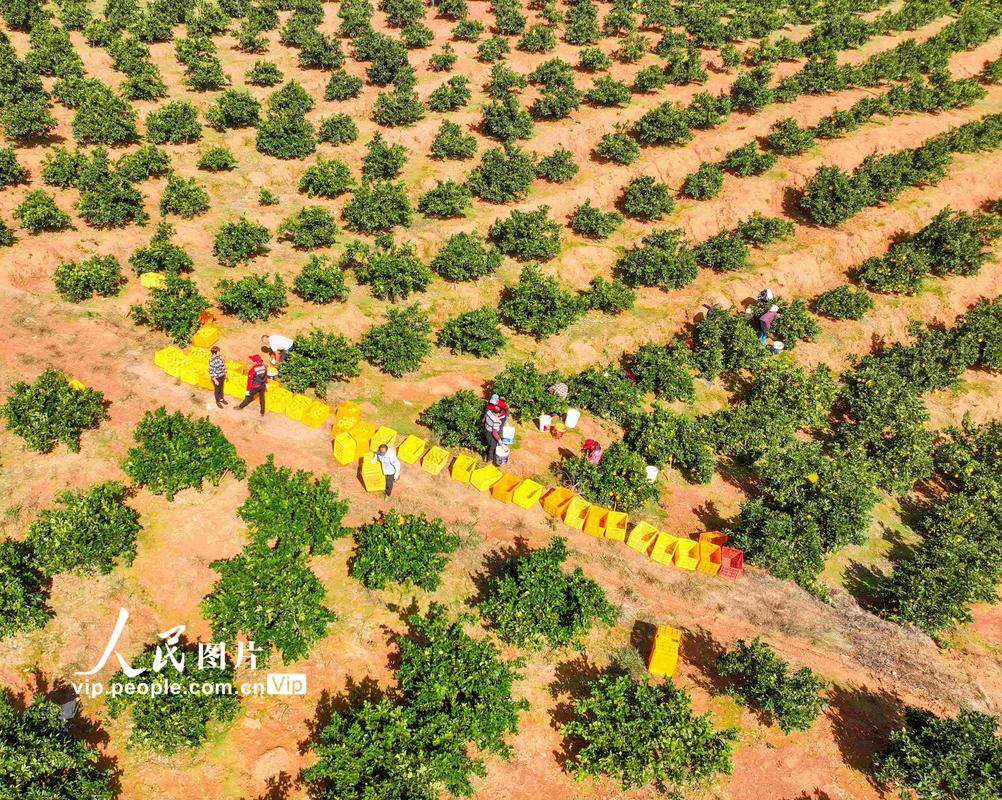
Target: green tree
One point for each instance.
(252, 298)
(50, 410)
(24, 592)
(319, 359)
(538, 304)
(408, 550)
(400, 344)
(174, 308)
(619, 481)
(475, 332)
(456, 420)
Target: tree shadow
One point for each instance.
(571, 681)
(862, 721)
(709, 516)
(277, 787)
(791, 207)
(814, 794)
(701, 649)
(866, 583)
(493, 565)
(355, 694)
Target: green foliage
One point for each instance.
(451, 143)
(38, 758)
(23, 591)
(630, 730)
(7, 237)
(252, 298)
(38, 212)
(505, 120)
(320, 281)
(475, 332)
(502, 176)
(594, 223)
(49, 411)
(593, 59)
(174, 123)
(104, 118)
(393, 271)
(382, 160)
(524, 388)
(942, 757)
(456, 420)
(303, 512)
(77, 281)
(444, 60)
(87, 533)
(176, 451)
(527, 235)
(504, 80)
(619, 148)
(663, 259)
(265, 73)
(704, 182)
(787, 138)
(725, 251)
(843, 302)
(234, 108)
(667, 124)
(609, 297)
(663, 370)
(328, 177)
(749, 160)
(239, 242)
(147, 161)
(762, 680)
(557, 167)
(309, 228)
(11, 172)
(465, 257)
(760, 230)
(453, 690)
(111, 202)
(400, 344)
(493, 49)
(446, 200)
(285, 134)
(318, 359)
(538, 305)
(377, 206)
(794, 323)
(184, 197)
(216, 159)
(61, 167)
(664, 438)
(644, 198)
(161, 255)
(706, 111)
(619, 481)
(605, 391)
(407, 549)
(169, 722)
(173, 308)
(723, 340)
(537, 39)
(533, 603)
(337, 129)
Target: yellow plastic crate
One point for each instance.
(75, 384)
(372, 474)
(204, 381)
(687, 554)
(664, 548)
(206, 336)
(362, 432)
(505, 487)
(576, 513)
(174, 366)
(167, 355)
(662, 663)
(615, 526)
(527, 494)
(462, 468)
(316, 414)
(199, 355)
(642, 537)
(342, 424)
(235, 386)
(556, 501)
(235, 367)
(411, 449)
(297, 406)
(667, 638)
(189, 372)
(595, 521)
(383, 435)
(709, 558)
(713, 537)
(483, 478)
(277, 398)
(152, 280)
(434, 460)
(344, 449)
(348, 410)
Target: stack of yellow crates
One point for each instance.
(664, 653)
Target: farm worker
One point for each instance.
(501, 453)
(257, 379)
(501, 408)
(493, 423)
(217, 374)
(592, 451)
(559, 389)
(765, 321)
(765, 296)
(280, 345)
(387, 457)
(272, 360)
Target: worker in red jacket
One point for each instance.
(257, 380)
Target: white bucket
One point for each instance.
(508, 434)
(544, 422)
(571, 417)
(652, 472)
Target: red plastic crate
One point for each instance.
(732, 562)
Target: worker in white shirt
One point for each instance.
(387, 457)
(279, 345)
